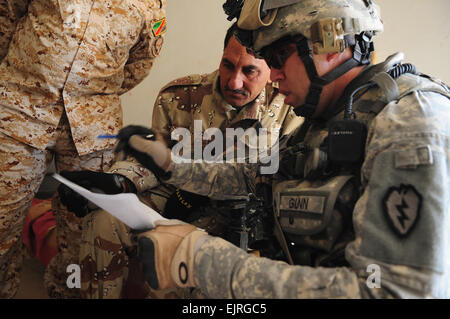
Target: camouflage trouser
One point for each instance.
(22, 169)
(108, 259)
(109, 264)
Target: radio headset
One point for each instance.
(347, 138)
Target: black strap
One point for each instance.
(317, 83)
(312, 100)
(340, 70)
(315, 90)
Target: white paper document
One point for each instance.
(125, 206)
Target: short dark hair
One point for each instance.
(234, 30)
(230, 33)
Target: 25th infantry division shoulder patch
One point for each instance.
(402, 206)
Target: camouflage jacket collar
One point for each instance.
(365, 76)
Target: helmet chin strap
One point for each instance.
(361, 56)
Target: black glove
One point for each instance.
(130, 130)
(135, 150)
(182, 204)
(97, 182)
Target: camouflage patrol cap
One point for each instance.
(324, 22)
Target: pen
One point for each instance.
(149, 136)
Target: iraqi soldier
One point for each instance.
(366, 211)
(238, 91)
(61, 75)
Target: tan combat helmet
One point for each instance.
(324, 22)
(316, 26)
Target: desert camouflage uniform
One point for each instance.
(10, 13)
(198, 97)
(66, 65)
(400, 219)
(195, 97)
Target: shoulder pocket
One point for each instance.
(413, 157)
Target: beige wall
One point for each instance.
(196, 28)
(421, 30)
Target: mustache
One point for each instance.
(236, 91)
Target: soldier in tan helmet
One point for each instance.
(364, 211)
(229, 97)
(64, 65)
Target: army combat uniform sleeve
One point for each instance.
(216, 180)
(402, 219)
(10, 13)
(247, 276)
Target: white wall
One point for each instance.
(196, 28)
(421, 30)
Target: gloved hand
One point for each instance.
(167, 254)
(147, 147)
(182, 204)
(97, 182)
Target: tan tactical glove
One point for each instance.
(167, 254)
(157, 150)
(147, 147)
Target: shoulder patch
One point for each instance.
(159, 27)
(189, 80)
(402, 207)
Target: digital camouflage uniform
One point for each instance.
(10, 13)
(179, 103)
(400, 219)
(60, 81)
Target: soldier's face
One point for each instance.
(290, 73)
(242, 76)
(288, 70)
